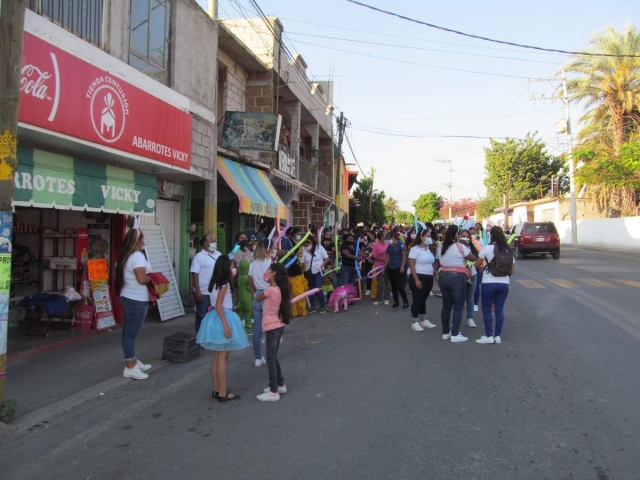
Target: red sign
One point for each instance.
(65, 94)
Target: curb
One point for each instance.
(34, 352)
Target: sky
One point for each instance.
(403, 108)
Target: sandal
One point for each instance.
(227, 398)
(215, 394)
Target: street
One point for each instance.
(370, 399)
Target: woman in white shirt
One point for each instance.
(452, 257)
(202, 271)
(314, 259)
(420, 280)
(131, 285)
(475, 237)
(465, 239)
(260, 264)
(494, 289)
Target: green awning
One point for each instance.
(48, 180)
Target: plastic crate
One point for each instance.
(174, 356)
(180, 343)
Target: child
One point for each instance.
(277, 314)
(245, 296)
(299, 285)
(221, 329)
(346, 294)
(327, 282)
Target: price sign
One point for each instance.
(98, 269)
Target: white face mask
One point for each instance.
(298, 238)
(429, 241)
(213, 246)
(307, 249)
(464, 240)
(473, 235)
(413, 236)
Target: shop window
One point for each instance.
(81, 17)
(149, 37)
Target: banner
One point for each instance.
(64, 94)
(251, 131)
(6, 227)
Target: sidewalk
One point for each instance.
(41, 380)
(629, 252)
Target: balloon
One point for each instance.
(511, 238)
(357, 263)
(281, 235)
(374, 272)
(306, 294)
(291, 262)
(288, 254)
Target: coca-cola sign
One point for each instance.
(64, 94)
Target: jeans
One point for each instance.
(315, 281)
(453, 286)
(273, 345)
(135, 312)
(202, 308)
(419, 297)
(347, 275)
(257, 325)
(476, 294)
(494, 294)
(471, 290)
(382, 291)
(397, 285)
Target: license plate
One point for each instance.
(540, 239)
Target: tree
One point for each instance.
(517, 168)
(609, 88)
(428, 206)
(405, 217)
(363, 194)
(459, 208)
(391, 208)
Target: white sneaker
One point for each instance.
(427, 324)
(475, 308)
(243, 323)
(282, 389)
(376, 303)
(134, 372)
(485, 340)
(415, 326)
(471, 323)
(143, 366)
(446, 336)
(386, 302)
(459, 338)
(431, 294)
(497, 339)
(367, 293)
(269, 397)
(259, 362)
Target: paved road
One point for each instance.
(370, 399)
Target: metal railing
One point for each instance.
(310, 175)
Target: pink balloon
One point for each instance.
(308, 293)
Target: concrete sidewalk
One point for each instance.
(51, 377)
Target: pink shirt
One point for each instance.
(271, 309)
(379, 251)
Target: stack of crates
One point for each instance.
(181, 347)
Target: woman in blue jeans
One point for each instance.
(259, 266)
(494, 289)
(314, 259)
(349, 259)
(452, 257)
(131, 286)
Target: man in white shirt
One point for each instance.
(202, 271)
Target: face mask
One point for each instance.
(213, 246)
(429, 241)
(273, 255)
(265, 277)
(413, 236)
(464, 240)
(307, 249)
(234, 272)
(298, 238)
(474, 235)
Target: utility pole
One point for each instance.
(573, 210)
(373, 174)
(341, 127)
(506, 204)
(448, 161)
(11, 30)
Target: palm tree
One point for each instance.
(609, 86)
(391, 207)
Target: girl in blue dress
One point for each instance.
(221, 329)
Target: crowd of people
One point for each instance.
(264, 282)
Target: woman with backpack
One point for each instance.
(495, 283)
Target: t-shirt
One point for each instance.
(131, 288)
(256, 271)
(286, 244)
(379, 251)
(424, 260)
(487, 254)
(348, 262)
(203, 264)
(317, 258)
(395, 254)
(227, 303)
(271, 309)
(453, 257)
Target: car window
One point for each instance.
(540, 228)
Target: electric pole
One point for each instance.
(447, 161)
(341, 127)
(11, 30)
(573, 210)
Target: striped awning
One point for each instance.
(49, 180)
(253, 188)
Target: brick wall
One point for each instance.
(259, 92)
(235, 84)
(302, 210)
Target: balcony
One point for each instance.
(303, 171)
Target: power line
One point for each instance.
(458, 118)
(487, 39)
(429, 135)
(414, 63)
(423, 49)
(352, 153)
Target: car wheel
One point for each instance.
(519, 254)
(556, 255)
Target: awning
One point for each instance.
(255, 192)
(48, 180)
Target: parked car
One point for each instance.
(535, 237)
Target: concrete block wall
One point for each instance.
(203, 147)
(257, 36)
(302, 210)
(234, 96)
